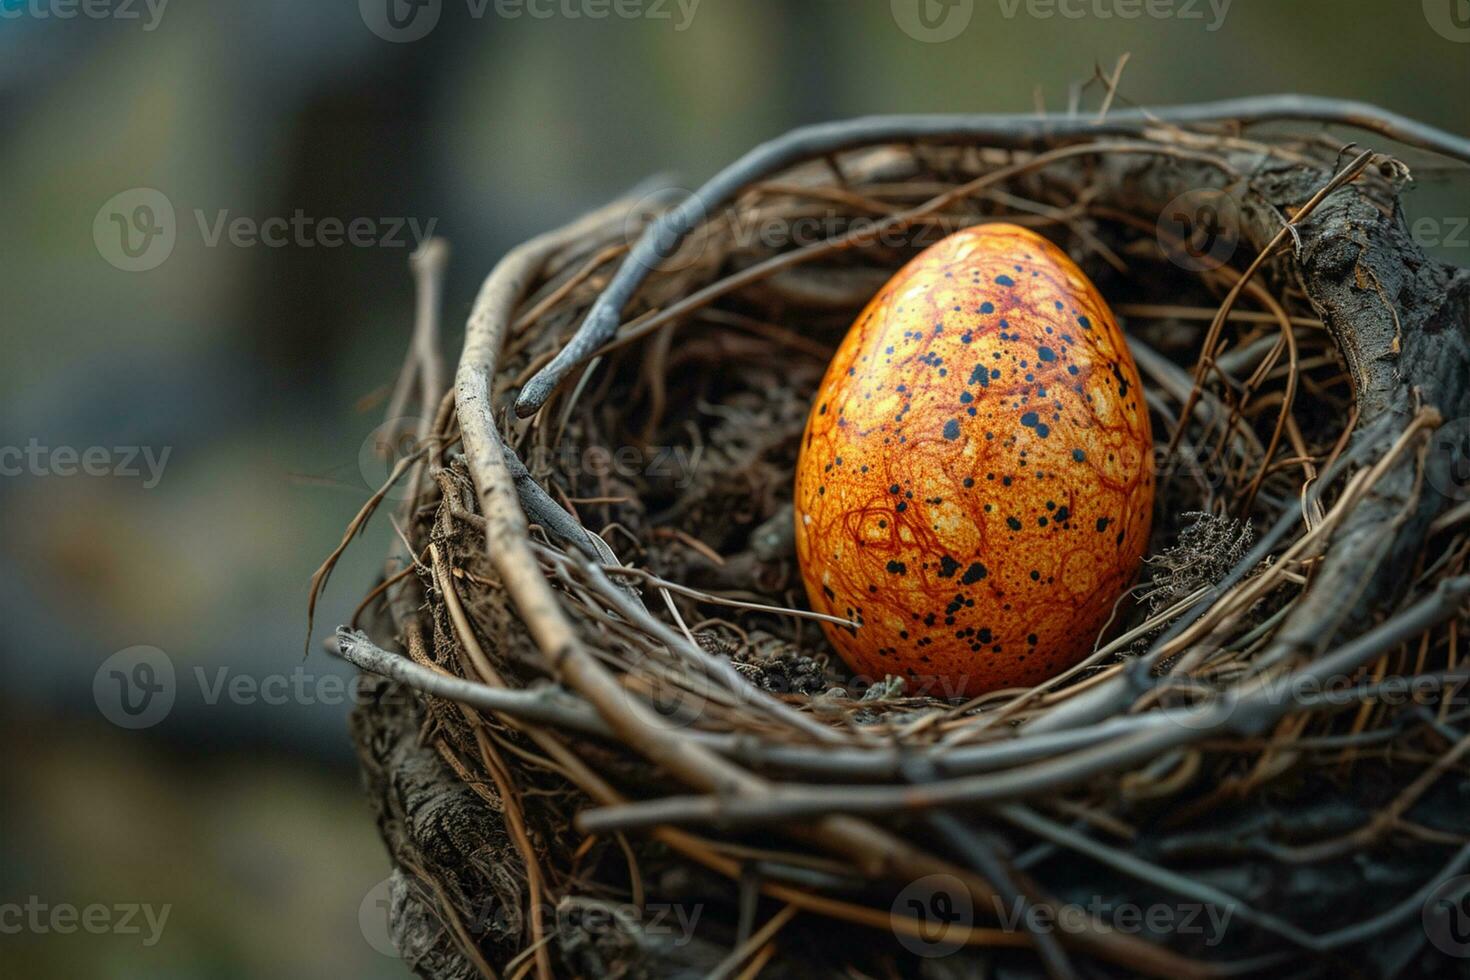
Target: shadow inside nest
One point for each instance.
(681, 455)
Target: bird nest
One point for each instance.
(606, 736)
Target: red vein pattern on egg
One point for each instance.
(974, 486)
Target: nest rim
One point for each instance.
(1377, 477)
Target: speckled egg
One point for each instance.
(975, 484)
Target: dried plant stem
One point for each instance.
(879, 853)
(549, 674)
(1015, 131)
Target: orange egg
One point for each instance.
(975, 484)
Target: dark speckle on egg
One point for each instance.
(957, 530)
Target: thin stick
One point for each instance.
(757, 940)
(1019, 132)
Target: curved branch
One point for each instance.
(1020, 132)
(1248, 711)
(875, 851)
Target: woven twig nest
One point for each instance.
(608, 742)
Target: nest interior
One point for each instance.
(606, 742)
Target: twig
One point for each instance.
(1021, 132)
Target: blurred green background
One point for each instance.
(250, 362)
